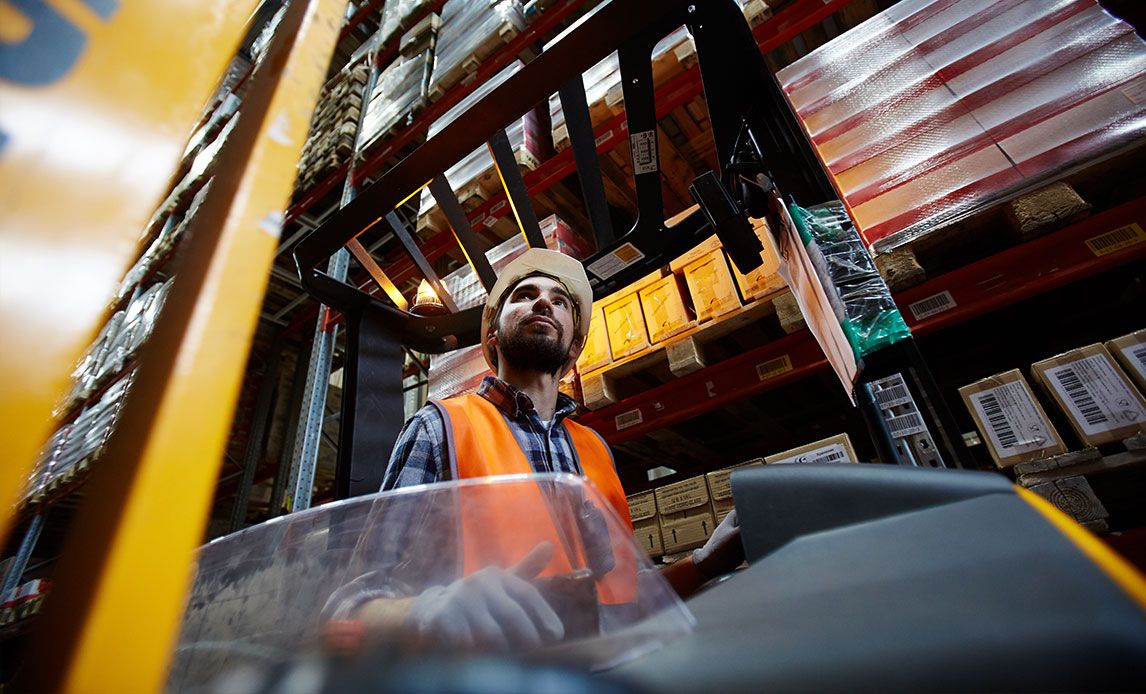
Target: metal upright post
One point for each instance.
(304, 456)
(258, 432)
(31, 536)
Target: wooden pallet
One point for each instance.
(1069, 481)
(680, 355)
(989, 230)
(443, 80)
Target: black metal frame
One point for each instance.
(755, 135)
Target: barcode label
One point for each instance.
(895, 395)
(832, 453)
(938, 303)
(906, 425)
(1074, 389)
(628, 419)
(1136, 355)
(497, 208)
(998, 423)
(644, 146)
(1111, 241)
(1096, 396)
(773, 368)
(1011, 421)
(603, 138)
(610, 264)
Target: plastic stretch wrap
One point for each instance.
(472, 30)
(859, 296)
(47, 463)
(933, 108)
(671, 56)
(476, 172)
(90, 430)
(399, 93)
(265, 595)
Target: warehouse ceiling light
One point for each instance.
(427, 303)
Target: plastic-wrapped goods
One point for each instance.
(859, 296)
(672, 56)
(334, 126)
(474, 179)
(932, 108)
(264, 598)
(472, 31)
(399, 95)
(461, 371)
(90, 431)
(259, 45)
(46, 464)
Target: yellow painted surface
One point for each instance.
(124, 576)
(1118, 569)
(86, 155)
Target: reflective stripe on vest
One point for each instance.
(480, 444)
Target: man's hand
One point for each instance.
(492, 609)
(595, 535)
(723, 552)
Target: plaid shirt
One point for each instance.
(420, 457)
(393, 562)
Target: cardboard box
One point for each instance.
(683, 495)
(648, 534)
(596, 353)
(834, 449)
(712, 243)
(642, 506)
(1100, 402)
(687, 529)
(1011, 421)
(1130, 351)
(711, 286)
(765, 279)
(626, 326)
(720, 488)
(664, 308)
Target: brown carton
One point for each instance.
(720, 488)
(648, 534)
(834, 449)
(642, 506)
(687, 529)
(679, 496)
(1100, 402)
(1011, 421)
(1130, 351)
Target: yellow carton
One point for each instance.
(626, 326)
(664, 308)
(596, 352)
(711, 286)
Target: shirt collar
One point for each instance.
(516, 402)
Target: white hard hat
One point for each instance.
(539, 261)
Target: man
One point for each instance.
(533, 329)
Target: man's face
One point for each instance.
(535, 327)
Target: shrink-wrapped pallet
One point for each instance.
(471, 32)
(474, 179)
(931, 110)
(399, 95)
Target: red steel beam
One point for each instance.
(992, 283)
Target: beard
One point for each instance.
(526, 350)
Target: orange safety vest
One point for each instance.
(501, 524)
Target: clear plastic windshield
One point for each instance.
(534, 566)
